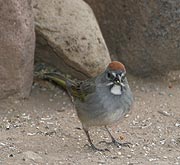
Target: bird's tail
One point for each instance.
(57, 78)
(61, 81)
(50, 74)
(46, 72)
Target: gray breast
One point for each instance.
(103, 108)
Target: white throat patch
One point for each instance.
(116, 90)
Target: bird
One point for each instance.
(99, 101)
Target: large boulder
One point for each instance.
(69, 38)
(17, 40)
(143, 34)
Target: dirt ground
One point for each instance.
(44, 129)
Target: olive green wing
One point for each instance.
(77, 89)
(80, 90)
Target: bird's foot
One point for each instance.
(97, 149)
(117, 143)
(103, 141)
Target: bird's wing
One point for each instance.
(77, 89)
(81, 89)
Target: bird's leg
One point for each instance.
(117, 143)
(90, 142)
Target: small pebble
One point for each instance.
(152, 159)
(11, 155)
(161, 93)
(51, 100)
(43, 89)
(177, 124)
(142, 89)
(165, 157)
(162, 141)
(119, 153)
(170, 86)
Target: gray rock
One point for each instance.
(69, 38)
(142, 34)
(17, 40)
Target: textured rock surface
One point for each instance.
(143, 34)
(69, 38)
(17, 40)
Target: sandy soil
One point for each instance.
(44, 129)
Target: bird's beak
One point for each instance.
(120, 80)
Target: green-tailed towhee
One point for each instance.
(99, 101)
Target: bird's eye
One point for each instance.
(123, 78)
(109, 76)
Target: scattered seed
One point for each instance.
(121, 137)
(31, 134)
(165, 113)
(152, 159)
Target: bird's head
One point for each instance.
(116, 77)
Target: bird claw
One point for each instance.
(97, 149)
(117, 144)
(103, 141)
